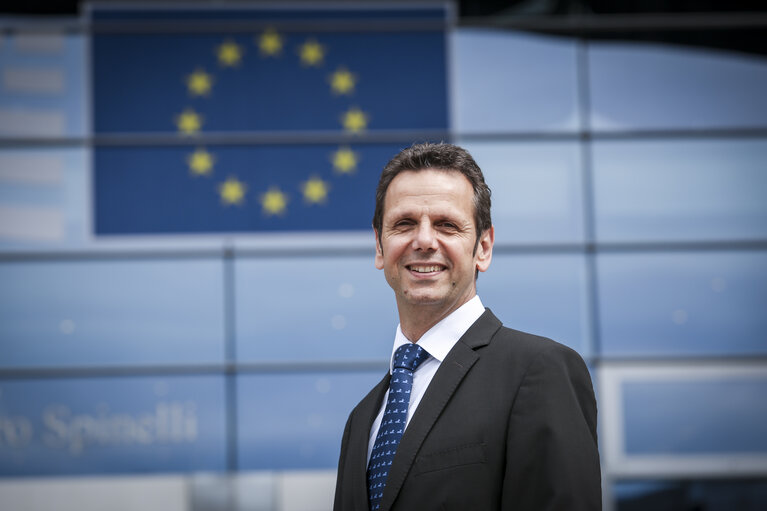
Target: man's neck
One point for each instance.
(414, 322)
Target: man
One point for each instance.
(496, 418)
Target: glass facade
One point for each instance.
(628, 187)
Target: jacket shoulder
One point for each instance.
(519, 344)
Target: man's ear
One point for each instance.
(485, 249)
(379, 251)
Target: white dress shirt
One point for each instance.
(437, 341)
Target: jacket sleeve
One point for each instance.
(552, 454)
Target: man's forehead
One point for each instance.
(422, 173)
(439, 197)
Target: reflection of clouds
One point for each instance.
(543, 98)
(648, 86)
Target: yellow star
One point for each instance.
(315, 191)
(189, 122)
(270, 43)
(274, 201)
(229, 54)
(345, 160)
(343, 81)
(354, 120)
(199, 83)
(201, 162)
(232, 191)
(312, 53)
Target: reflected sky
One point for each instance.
(505, 81)
(111, 312)
(313, 308)
(291, 421)
(537, 195)
(654, 86)
(671, 190)
(683, 304)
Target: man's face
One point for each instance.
(427, 241)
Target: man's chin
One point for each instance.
(425, 299)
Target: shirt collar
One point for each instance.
(440, 339)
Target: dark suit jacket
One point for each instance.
(508, 422)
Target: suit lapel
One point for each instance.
(358, 443)
(451, 372)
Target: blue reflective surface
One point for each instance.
(543, 294)
(687, 303)
(43, 197)
(112, 425)
(296, 420)
(642, 86)
(505, 81)
(537, 190)
(670, 190)
(51, 100)
(111, 312)
(304, 308)
(697, 416)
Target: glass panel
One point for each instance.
(111, 312)
(680, 190)
(691, 303)
(504, 81)
(43, 198)
(536, 190)
(708, 495)
(42, 87)
(645, 86)
(112, 425)
(313, 308)
(306, 434)
(543, 294)
(716, 415)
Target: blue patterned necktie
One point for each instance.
(406, 359)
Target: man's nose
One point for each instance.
(425, 237)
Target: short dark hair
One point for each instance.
(437, 156)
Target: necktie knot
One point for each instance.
(409, 356)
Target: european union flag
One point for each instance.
(249, 120)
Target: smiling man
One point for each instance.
(471, 415)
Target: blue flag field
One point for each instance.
(281, 128)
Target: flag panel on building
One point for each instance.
(275, 81)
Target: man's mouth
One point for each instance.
(420, 268)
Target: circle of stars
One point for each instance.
(311, 54)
